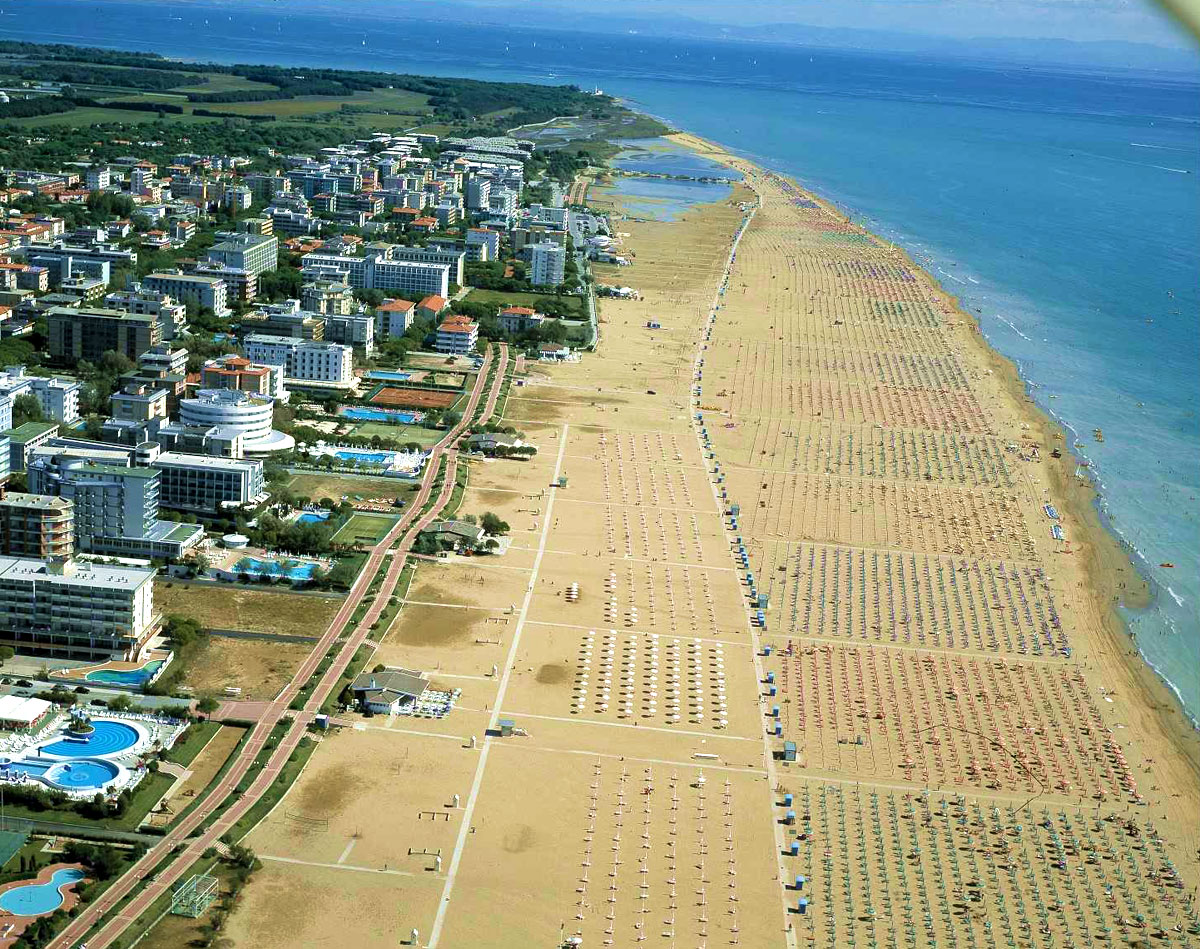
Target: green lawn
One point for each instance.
(364, 528)
(223, 82)
(335, 486)
(194, 739)
(499, 298)
(401, 433)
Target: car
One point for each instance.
(6, 681)
(82, 690)
(25, 683)
(99, 702)
(23, 693)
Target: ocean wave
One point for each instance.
(1013, 326)
(1179, 601)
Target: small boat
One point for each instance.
(1097, 434)
(1166, 563)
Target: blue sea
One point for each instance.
(1062, 207)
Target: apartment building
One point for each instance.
(330, 298)
(200, 291)
(58, 398)
(253, 253)
(76, 609)
(548, 265)
(208, 484)
(238, 372)
(89, 332)
(356, 330)
(304, 362)
(170, 313)
(394, 317)
(457, 335)
(32, 525)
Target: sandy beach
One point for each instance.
(981, 759)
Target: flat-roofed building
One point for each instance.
(328, 364)
(116, 507)
(194, 289)
(238, 372)
(58, 398)
(77, 333)
(356, 330)
(237, 411)
(76, 609)
(138, 402)
(208, 484)
(164, 359)
(33, 525)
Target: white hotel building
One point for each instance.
(77, 609)
(307, 363)
(234, 411)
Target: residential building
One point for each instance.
(77, 609)
(110, 253)
(479, 193)
(518, 319)
(331, 298)
(431, 307)
(379, 270)
(208, 484)
(97, 178)
(304, 362)
(33, 525)
(486, 237)
(457, 335)
(163, 359)
(170, 313)
(58, 398)
(138, 402)
(256, 225)
(116, 507)
(240, 285)
(238, 372)
(237, 411)
(394, 317)
(557, 217)
(89, 332)
(199, 291)
(357, 330)
(548, 265)
(285, 319)
(253, 253)
(25, 439)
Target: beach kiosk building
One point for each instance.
(387, 691)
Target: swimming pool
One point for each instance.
(38, 899)
(291, 569)
(363, 457)
(80, 774)
(108, 738)
(133, 677)
(312, 517)
(380, 415)
(389, 374)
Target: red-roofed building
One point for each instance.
(457, 335)
(431, 307)
(517, 319)
(394, 317)
(426, 225)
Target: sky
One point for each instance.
(1137, 21)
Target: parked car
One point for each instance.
(99, 702)
(25, 683)
(82, 690)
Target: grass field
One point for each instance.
(402, 433)
(500, 298)
(364, 528)
(226, 607)
(259, 667)
(336, 486)
(223, 82)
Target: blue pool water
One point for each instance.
(80, 775)
(292, 569)
(108, 738)
(312, 517)
(130, 677)
(38, 899)
(389, 374)
(363, 457)
(379, 415)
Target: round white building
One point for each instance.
(236, 411)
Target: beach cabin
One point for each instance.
(387, 691)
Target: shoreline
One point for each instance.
(1103, 559)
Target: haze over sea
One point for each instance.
(1061, 206)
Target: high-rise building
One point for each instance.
(548, 265)
(89, 332)
(32, 525)
(331, 364)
